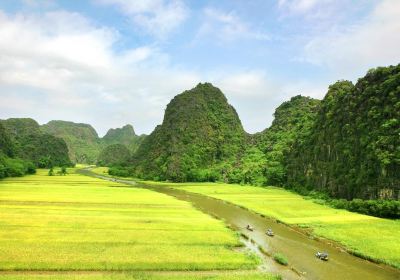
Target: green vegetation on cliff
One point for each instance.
(6, 145)
(353, 149)
(29, 143)
(263, 163)
(200, 135)
(83, 142)
(125, 135)
(82, 139)
(114, 155)
(9, 166)
(346, 146)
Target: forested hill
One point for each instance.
(83, 142)
(11, 166)
(122, 135)
(353, 149)
(6, 145)
(200, 134)
(25, 141)
(347, 145)
(125, 135)
(82, 139)
(292, 120)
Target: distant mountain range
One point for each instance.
(83, 142)
(64, 142)
(346, 145)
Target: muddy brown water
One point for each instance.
(299, 248)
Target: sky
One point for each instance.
(113, 62)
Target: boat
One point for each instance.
(249, 227)
(322, 256)
(270, 232)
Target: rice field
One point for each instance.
(100, 229)
(231, 275)
(366, 236)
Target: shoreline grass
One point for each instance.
(280, 258)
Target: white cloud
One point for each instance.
(61, 66)
(351, 50)
(254, 94)
(157, 17)
(246, 84)
(227, 26)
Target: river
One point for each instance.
(299, 248)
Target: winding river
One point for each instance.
(296, 246)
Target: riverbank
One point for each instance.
(372, 238)
(288, 240)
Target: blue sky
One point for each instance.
(112, 62)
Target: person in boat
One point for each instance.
(270, 232)
(249, 227)
(322, 256)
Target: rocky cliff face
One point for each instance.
(200, 130)
(353, 149)
(82, 139)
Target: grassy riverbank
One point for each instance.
(369, 237)
(79, 223)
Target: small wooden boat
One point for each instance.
(270, 232)
(322, 256)
(249, 227)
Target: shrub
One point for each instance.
(119, 171)
(14, 167)
(281, 259)
(63, 170)
(30, 168)
(3, 171)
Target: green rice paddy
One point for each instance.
(100, 229)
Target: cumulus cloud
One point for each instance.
(254, 93)
(61, 66)
(247, 84)
(157, 17)
(352, 49)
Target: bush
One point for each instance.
(119, 171)
(30, 168)
(3, 171)
(15, 167)
(378, 208)
(281, 259)
(63, 170)
(12, 167)
(203, 175)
